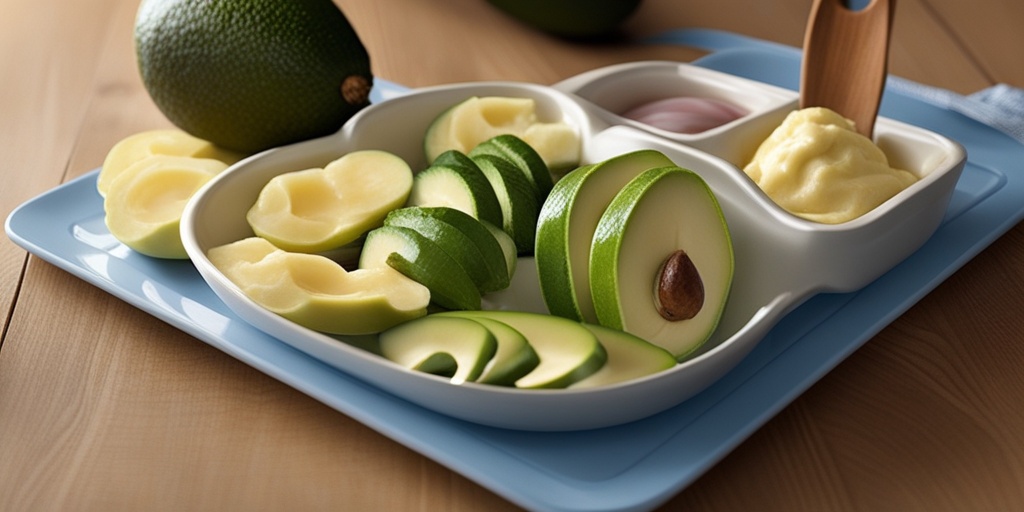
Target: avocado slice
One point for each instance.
(629, 357)
(465, 239)
(523, 156)
(455, 181)
(448, 346)
(517, 197)
(508, 248)
(667, 285)
(566, 226)
(568, 351)
(422, 260)
(514, 358)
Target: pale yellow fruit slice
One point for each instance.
(558, 143)
(475, 120)
(170, 142)
(316, 292)
(316, 210)
(144, 202)
(661, 263)
(478, 119)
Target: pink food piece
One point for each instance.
(685, 114)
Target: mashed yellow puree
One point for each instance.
(816, 166)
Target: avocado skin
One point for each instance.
(570, 18)
(248, 75)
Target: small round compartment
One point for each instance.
(613, 90)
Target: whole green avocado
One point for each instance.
(248, 75)
(570, 18)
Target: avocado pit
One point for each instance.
(680, 291)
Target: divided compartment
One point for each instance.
(780, 259)
(613, 90)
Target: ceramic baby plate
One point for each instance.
(780, 259)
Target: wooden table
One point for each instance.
(103, 407)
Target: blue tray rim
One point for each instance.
(487, 455)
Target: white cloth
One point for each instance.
(1000, 106)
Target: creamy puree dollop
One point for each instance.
(816, 166)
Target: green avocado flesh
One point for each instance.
(628, 257)
(452, 347)
(568, 351)
(566, 226)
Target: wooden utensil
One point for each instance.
(845, 59)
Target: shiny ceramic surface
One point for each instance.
(781, 260)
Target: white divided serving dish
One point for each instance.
(781, 259)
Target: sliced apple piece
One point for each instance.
(455, 181)
(449, 346)
(465, 239)
(316, 210)
(568, 351)
(170, 142)
(523, 156)
(423, 261)
(566, 226)
(518, 200)
(661, 262)
(557, 143)
(144, 202)
(629, 357)
(316, 292)
(476, 119)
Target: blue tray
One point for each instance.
(636, 466)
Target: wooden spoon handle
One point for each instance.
(845, 59)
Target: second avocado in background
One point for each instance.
(570, 18)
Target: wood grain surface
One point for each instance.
(103, 407)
